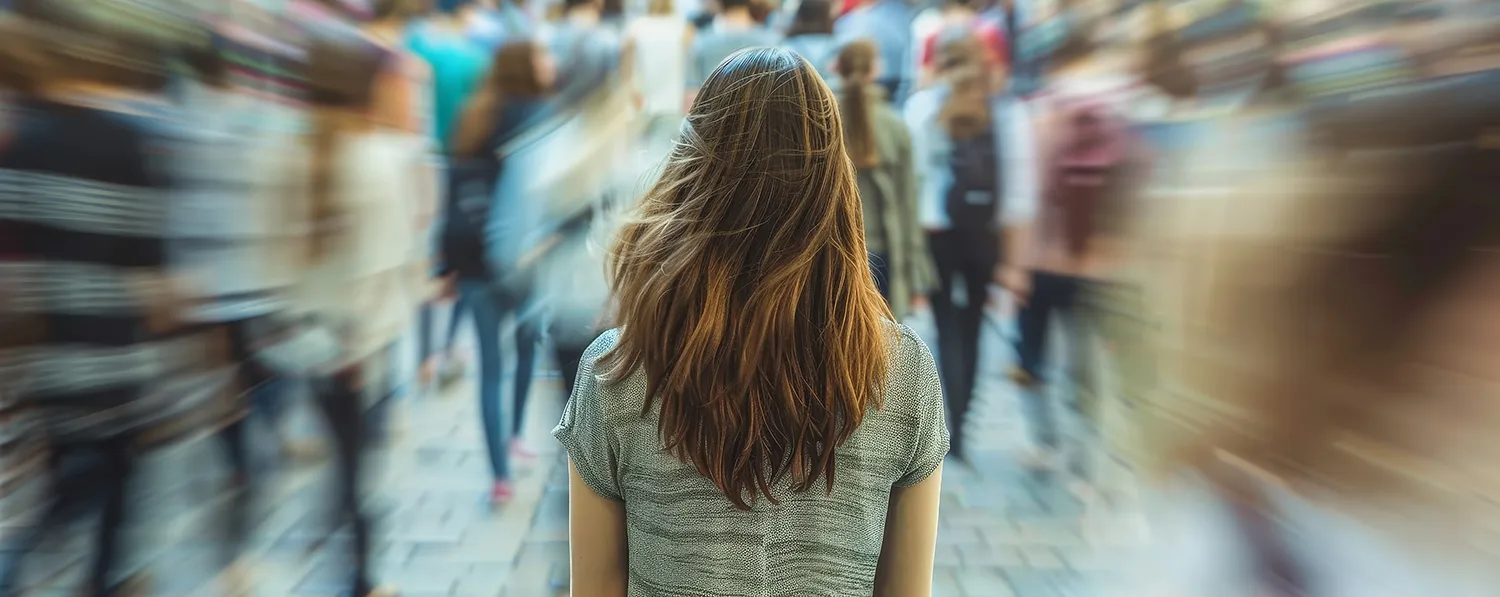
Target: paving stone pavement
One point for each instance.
(1003, 531)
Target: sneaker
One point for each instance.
(501, 493)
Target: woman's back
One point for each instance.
(686, 539)
(758, 425)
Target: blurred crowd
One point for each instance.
(1262, 229)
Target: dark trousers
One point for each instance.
(1069, 299)
(966, 257)
(264, 393)
(528, 336)
(111, 464)
(340, 400)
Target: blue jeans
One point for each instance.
(489, 310)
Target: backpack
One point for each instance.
(471, 191)
(973, 198)
(1091, 167)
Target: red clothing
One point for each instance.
(990, 35)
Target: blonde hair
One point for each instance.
(743, 284)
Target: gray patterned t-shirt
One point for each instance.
(686, 539)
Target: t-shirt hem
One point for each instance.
(922, 473)
(575, 451)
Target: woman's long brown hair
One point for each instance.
(512, 74)
(743, 288)
(856, 68)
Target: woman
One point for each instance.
(1346, 347)
(954, 127)
(511, 99)
(811, 36)
(757, 411)
(878, 142)
(365, 274)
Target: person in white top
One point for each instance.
(662, 39)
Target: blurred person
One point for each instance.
(86, 196)
(879, 143)
(888, 24)
(764, 12)
(458, 65)
(492, 22)
(588, 52)
(227, 230)
(742, 285)
(1064, 242)
(364, 278)
(511, 102)
(961, 18)
(733, 29)
(964, 138)
(662, 39)
(1345, 354)
(811, 36)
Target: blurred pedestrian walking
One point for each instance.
(964, 138)
(888, 24)
(880, 145)
(511, 102)
(811, 37)
(733, 29)
(86, 190)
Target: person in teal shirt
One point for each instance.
(458, 63)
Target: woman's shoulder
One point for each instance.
(910, 358)
(602, 345)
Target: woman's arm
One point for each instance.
(911, 522)
(596, 532)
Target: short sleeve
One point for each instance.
(931, 422)
(585, 426)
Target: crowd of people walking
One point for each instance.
(205, 208)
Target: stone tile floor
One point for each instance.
(1003, 531)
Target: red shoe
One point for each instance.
(501, 493)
